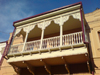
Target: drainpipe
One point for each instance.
(92, 72)
(10, 41)
(82, 23)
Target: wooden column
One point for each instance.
(25, 41)
(42, 35)
(61, 30)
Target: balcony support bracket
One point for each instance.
(66, 65)
(87, 57)
(30, 68)
(16, 69)
(88, 67)
(47, 67)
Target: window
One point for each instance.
(99, 35)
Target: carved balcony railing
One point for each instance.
(16, 48)
(48, 43)
(33, 45)
(72, 39)
(51, 42)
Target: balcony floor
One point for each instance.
(77, 55)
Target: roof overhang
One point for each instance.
(47, 14)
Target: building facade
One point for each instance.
(58, 42)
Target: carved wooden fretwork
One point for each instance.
(66, 65)
(30, 68)
(44, 24)
(28, 28)
(61, 20)
(17, 31)
(47, 67)
(77, 16)
(17, 69)
(57, 20)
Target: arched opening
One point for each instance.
(72, 25)
(33, 39)
(52, 30)
(34, 34)
(19, 38)
(49, 36)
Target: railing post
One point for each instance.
(25, 41)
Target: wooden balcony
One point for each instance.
(49, 44)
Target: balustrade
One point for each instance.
(73, 38)
(33, 45)
(68, 39)
(16, 48)
(51, 42)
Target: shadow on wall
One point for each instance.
(92, 64)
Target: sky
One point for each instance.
(13, 10)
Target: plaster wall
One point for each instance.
(93, 27)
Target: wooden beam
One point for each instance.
(66, 65)
(47, 67)
(30, 68)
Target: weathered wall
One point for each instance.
(93, 27)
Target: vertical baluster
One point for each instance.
(62, 40)
(65, 39)
(75, 38)
(72, 38)
(42, 44)
(52, 42)
(78, 37)
(46, 43)
(69, 38)
(81, 38)
(55, 41)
